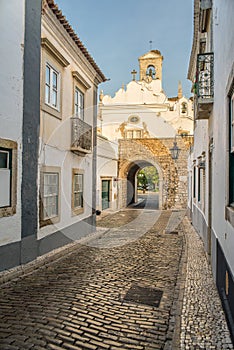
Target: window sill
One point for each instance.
(229, 215)
(52, 111)
(8, 211)
(77, 211)
(51, 221)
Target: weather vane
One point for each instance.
(150, 42)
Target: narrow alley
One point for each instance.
(116, 175)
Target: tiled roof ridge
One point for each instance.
(62, 19)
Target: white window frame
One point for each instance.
(52, 89)
(5, 181)
(79, 98)
(9, 176)
(77, 209)
(46, 219)
(134, 133)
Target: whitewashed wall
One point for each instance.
(107, 167)
(11, 99)
(152, 106)
(223, 60)
(55, 134)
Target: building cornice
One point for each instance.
(143, 107)
(81, 80)
(54, 52)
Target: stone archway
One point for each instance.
(131, 186)
(135, 153)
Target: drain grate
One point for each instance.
(144, 295)
(172, 232)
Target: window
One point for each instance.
(231, 146)
(50, 195)
(134, 119)
(203, 188)
(52, 87)
(202, 46)
(77, 191)
(5, 178)
(201, 182)
(199, 185)
(194, 180)
(184, 108)
(8, 177)
(232, 121)
(79, 104)
(133, 134)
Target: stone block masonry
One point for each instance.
(156, 152)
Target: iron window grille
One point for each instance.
(204, 87)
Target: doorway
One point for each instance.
(105, 194)
(143, 186)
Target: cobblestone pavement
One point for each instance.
(95, 298)
(203, 324)
(81, 301)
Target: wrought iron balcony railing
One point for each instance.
(205, 79)
(204, 86)
(81, 136)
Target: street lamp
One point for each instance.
(175, 151)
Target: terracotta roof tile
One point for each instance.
(62, 19)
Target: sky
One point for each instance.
(117, 32)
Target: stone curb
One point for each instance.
(48, 259)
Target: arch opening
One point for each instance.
(143, 185)
(151, 71)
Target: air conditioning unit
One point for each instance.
(206, 4)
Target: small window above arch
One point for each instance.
(184, 108)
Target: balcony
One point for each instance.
(81, 137)
(204, 86)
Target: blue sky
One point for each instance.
(117, 32)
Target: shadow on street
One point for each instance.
(148, 200)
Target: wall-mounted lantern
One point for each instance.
(175, 151)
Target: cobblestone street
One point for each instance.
(119, 291)
(203, 324)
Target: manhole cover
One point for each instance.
(144, 295)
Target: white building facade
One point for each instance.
(142, 111)
(19, 116)
(211, 169)
(11, 113)
(49, 85)
(67, 154)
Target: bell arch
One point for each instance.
(151, 71)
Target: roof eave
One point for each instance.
(192, 60)
(62, 19)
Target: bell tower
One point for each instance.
(150, 65)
